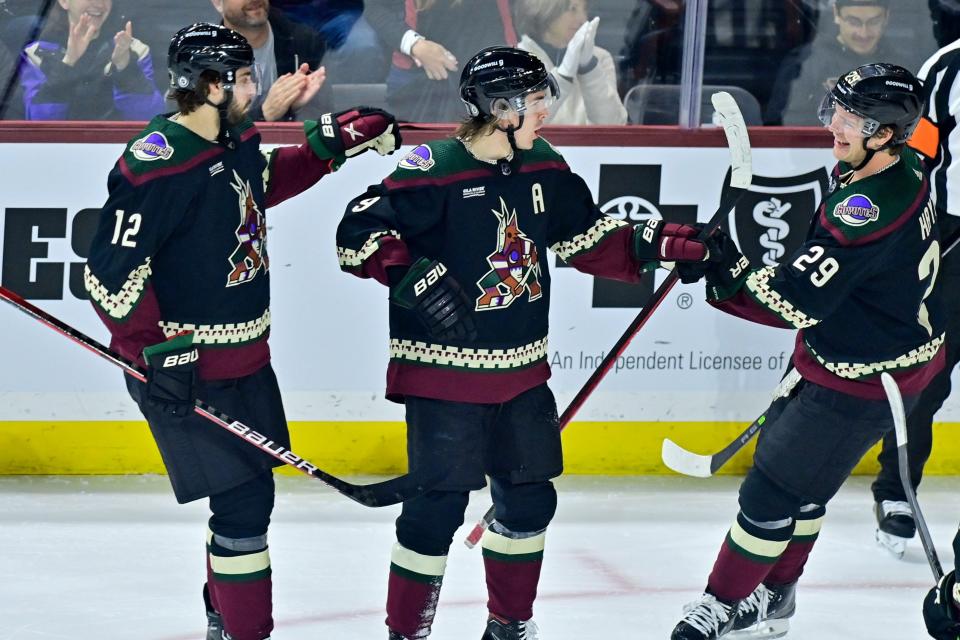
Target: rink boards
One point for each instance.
(692, 373)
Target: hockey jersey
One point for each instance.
(861, 289)
(181, 243)
(491, 231)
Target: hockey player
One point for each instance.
(458, 233)
(935, 139)
(861, 293)
(179, 273)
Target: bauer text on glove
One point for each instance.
(436, 298)
(172, 374)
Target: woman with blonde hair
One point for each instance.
(558, 32)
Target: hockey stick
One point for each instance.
(379, 494)
(702, 466)
(900, 429)
(699, 466)
(741, 174)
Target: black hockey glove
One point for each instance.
(725, 269)
(430, 291)
(172, 374)
(940, 610)
(349, 133)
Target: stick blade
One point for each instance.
(685, 462)
(741, 158)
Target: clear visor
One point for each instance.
(246, 82)
(832, 114)
(533, 103)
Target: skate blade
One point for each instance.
(767, 629)
(896, 545)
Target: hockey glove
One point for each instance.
(940, 610)
(436, 298)
(172, 374)
(659, 241)
(728, 269)
(342, 135)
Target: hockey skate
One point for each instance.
(765, 613)
(516, 630)
(214, 621)
(895, 525)
(705, 619)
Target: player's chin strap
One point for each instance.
(509, 166)
(224, 137)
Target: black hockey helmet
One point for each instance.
(497, 79)
(206, 47)
(884, 95)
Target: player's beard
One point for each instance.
(237, 113)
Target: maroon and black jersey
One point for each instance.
(491, 231)
(181, 243)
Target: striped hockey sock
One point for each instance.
(749, 552)
(512, 562)
(789, 567)
(413, 591)
(238, 578)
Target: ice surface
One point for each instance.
(115, 558)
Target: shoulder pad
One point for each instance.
(162, 145)
(436, 159)
(877, 205)
(542, 151)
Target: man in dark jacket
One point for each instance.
(288, 56)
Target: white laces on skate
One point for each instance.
(529, 630)
(896, 508)
(757, 601)
(707, 615)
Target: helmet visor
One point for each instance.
(527, 103)
(832, 113)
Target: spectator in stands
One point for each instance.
(430, 37)
(355, 54)
(288, 57)
(810, 71)
(557, 32)
(86, 65)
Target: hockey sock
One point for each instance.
(790, 565)
(512, 561)
(413, 591)
(240, 586)
(749, 552)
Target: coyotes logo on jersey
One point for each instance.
(515, 267)
(251, 254)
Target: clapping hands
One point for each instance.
(292, 91)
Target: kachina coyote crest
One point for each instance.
(251, 254)
(514, 266)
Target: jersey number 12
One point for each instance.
(126, 231)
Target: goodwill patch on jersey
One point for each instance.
(420, 158)
(153, 146)
(514, 265)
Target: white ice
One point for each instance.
(115, 558)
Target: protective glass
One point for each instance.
(833, 114)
